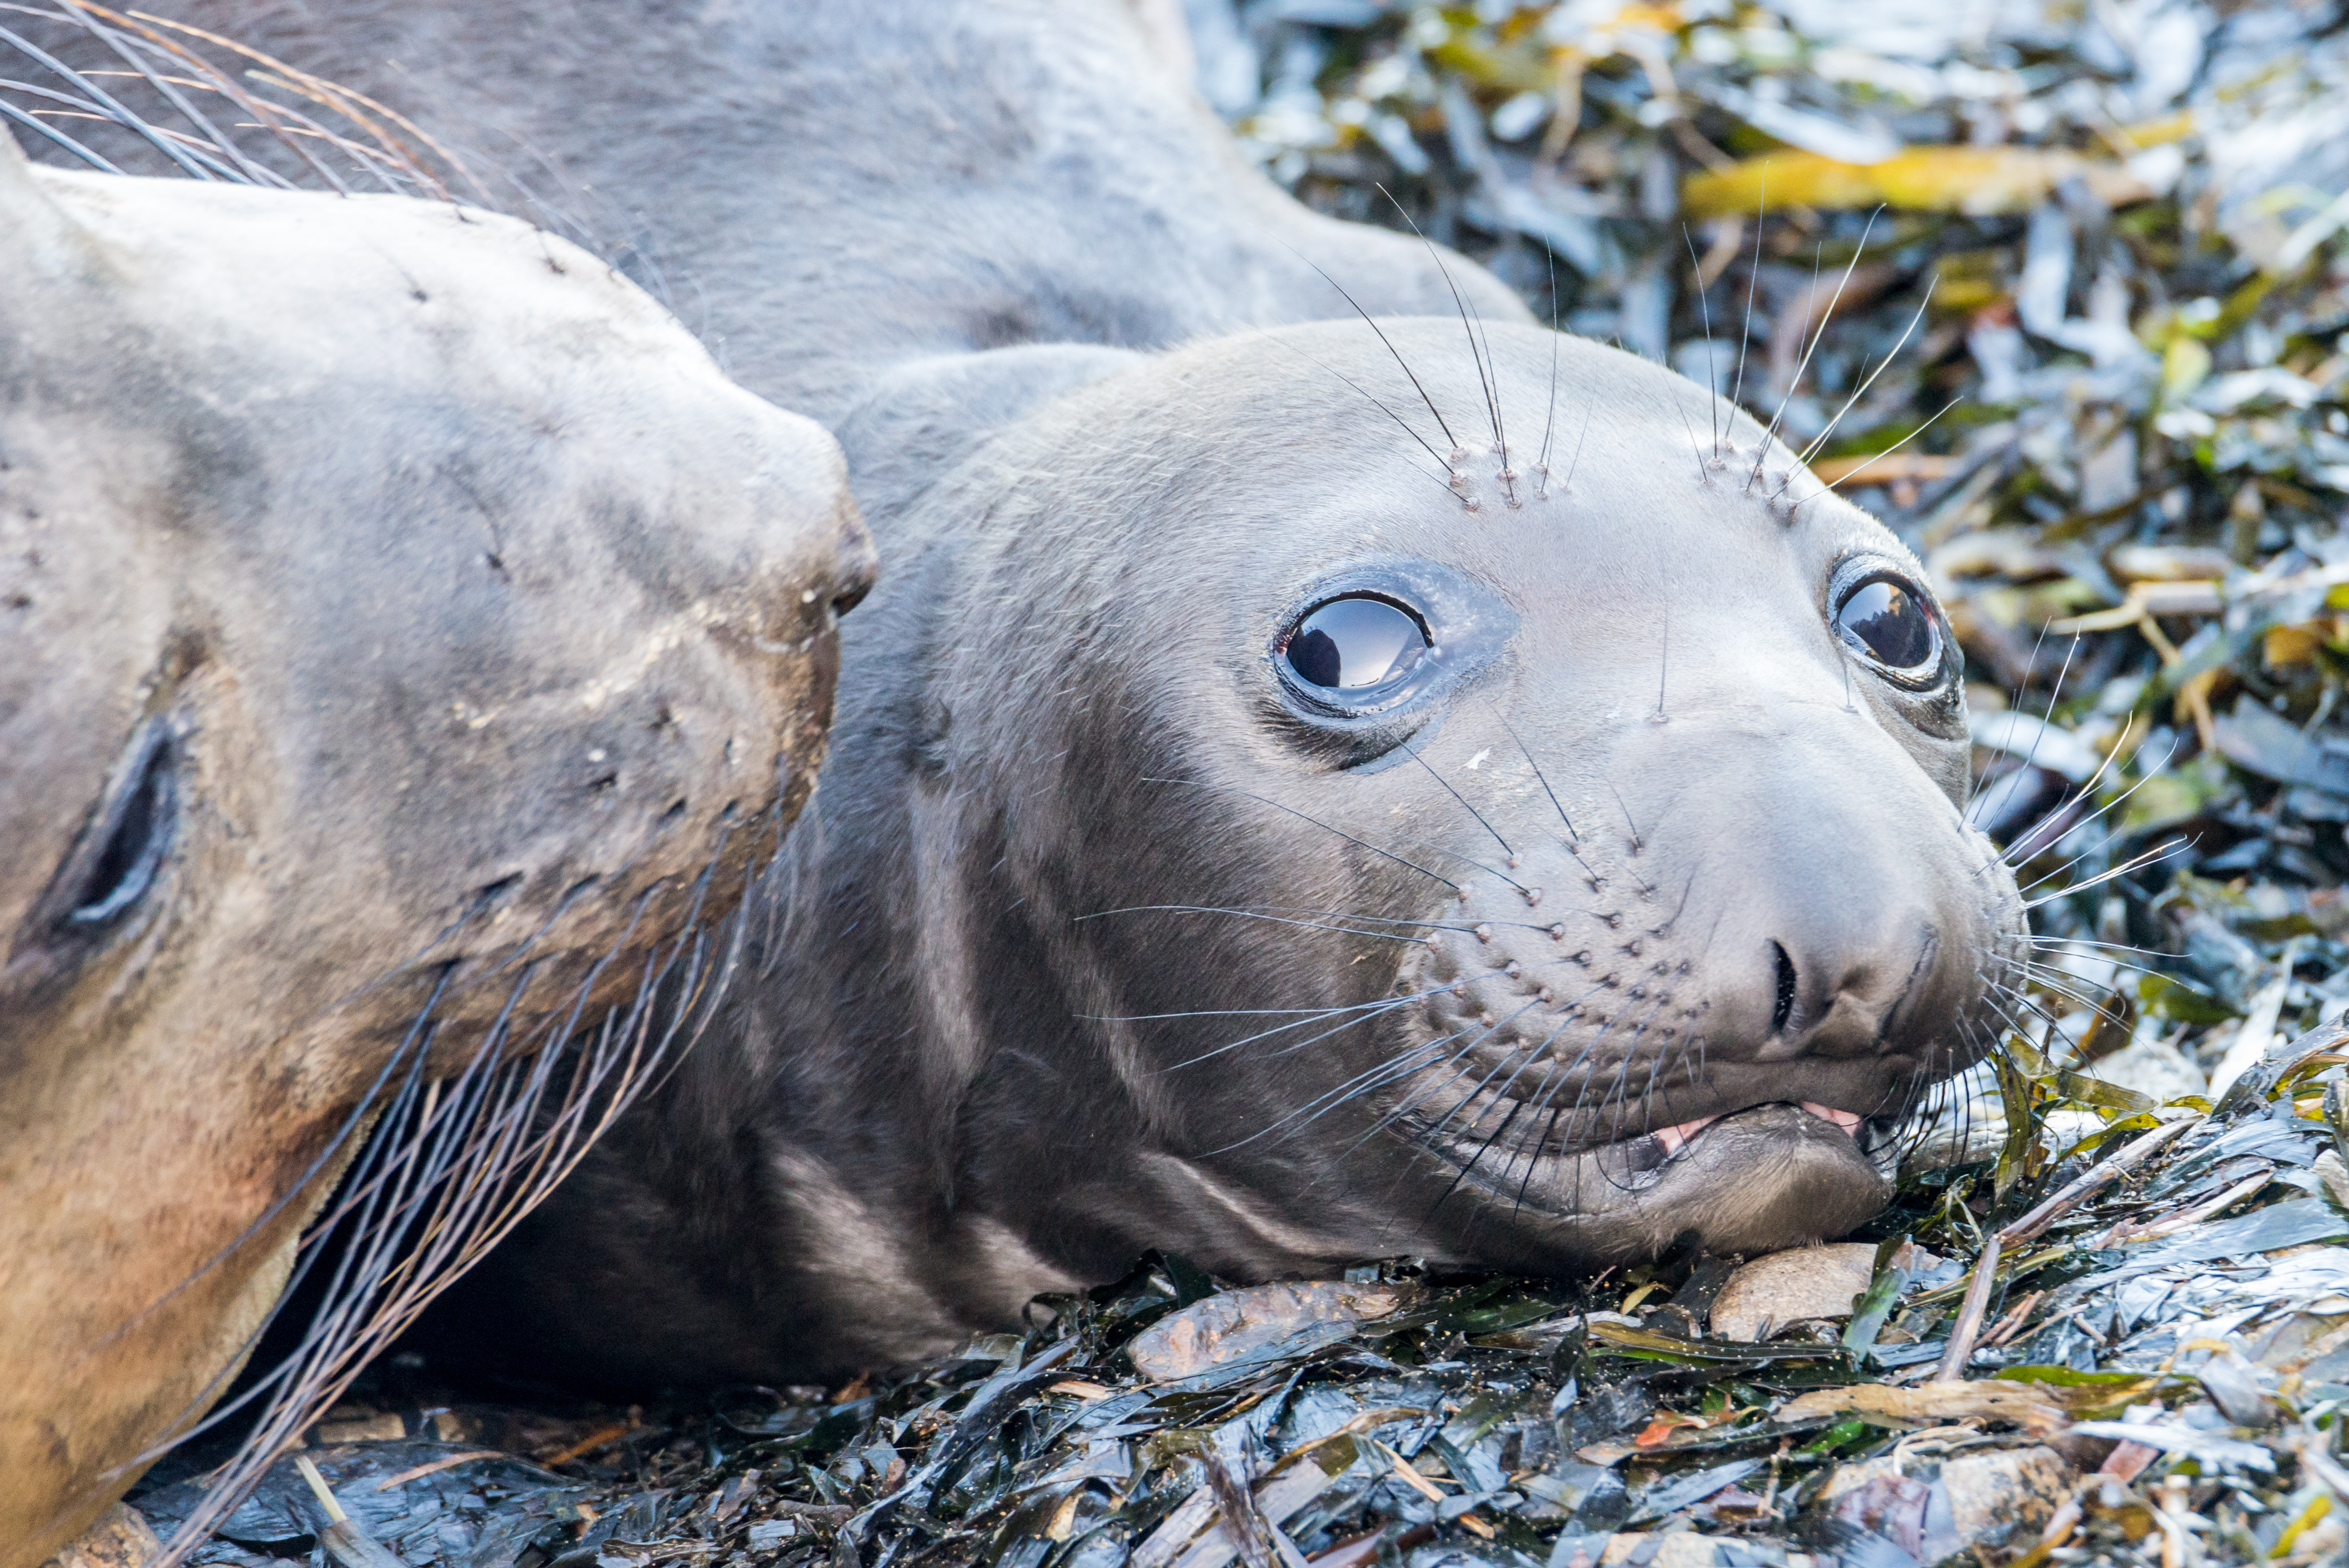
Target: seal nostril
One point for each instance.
(1785, 1007)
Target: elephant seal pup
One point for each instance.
(403, 626)
(1283, 821)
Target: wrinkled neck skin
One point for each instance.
(1645, 917)
(827, 193)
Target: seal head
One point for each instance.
(1284, 820)
(403, 625)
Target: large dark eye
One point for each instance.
(1888, 621)
(136, 832)
(1351, 644)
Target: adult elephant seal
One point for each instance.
(402, 625)
(1279, 820)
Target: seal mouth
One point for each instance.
(1636, 1162)
(1865, 1131)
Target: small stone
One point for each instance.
(1782, 1287)
(1997, 1497)
(120, 1539)
(1986, 1499)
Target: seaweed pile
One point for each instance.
(2155, 1355)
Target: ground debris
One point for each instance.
(2150, 1368)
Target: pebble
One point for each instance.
(1778, 1288)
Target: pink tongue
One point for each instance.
(1672, 1138)
(1847, 1119)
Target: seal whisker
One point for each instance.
(1402, 1065)
(1974, 790)
(1485, 1033)
(1549, 421)
(1368, 321)
(1531, 893)
(1547, 1092)
(1484, 373)
(1566, 484)
(1619, 1103)
(1405, 746)
(1816, 338)
(2015, 1027)
(1839, 484)
(2151, 856)
(2050, 876)
(1461, 1173)
(1533, 1164)
(1820, 440)
(2024, 1006)
(1762, 452)
(1533, 1055)
(1712, 380)
(1538, 774)
(1703, 475)
(1365, 1012)
(1445, 484)
(2055, 695)
(1663, 667)
(2017, 855)
(456, 1164)
(369, 1157)
(1253, 915)
(1429, 1135)
(1508, 474)
(421, 1030)
(2055, 980)
(2064, 943)
(1753, 282)
(2063, 984)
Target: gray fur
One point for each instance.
(828, 190)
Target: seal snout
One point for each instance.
(1856, 972)
(1715, 1019)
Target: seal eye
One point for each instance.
(137, 834)
(1890, 621)
(1354, 643)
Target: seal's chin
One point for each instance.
(1771, 1176)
